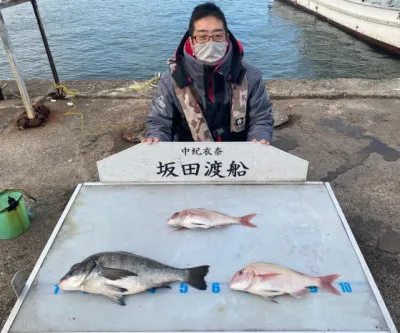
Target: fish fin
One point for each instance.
(325, 283)
(116, 298)
(115, 274)
(300, 293)
(199, 224)
(271, 299)
(164, 286)
(196, 277)
(153, 289)
(245, 220)
(222, 226)
(267, 276)
(178, 229)
(116, 289)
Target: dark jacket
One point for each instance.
(166, 119)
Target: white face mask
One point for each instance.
(211, 52)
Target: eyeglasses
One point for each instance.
(220, 37)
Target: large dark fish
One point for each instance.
(115, 274)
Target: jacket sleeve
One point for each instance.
(160, 118)
(261, 122)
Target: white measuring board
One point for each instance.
(202, 162)
(300, 226)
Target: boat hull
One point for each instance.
(378, 26)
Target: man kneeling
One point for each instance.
(210, 92)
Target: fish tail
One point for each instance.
(196, 277)
(245, 220)
(325, 283)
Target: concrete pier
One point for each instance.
(346, 129)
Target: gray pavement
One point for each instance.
(347, 130)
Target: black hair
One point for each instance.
(205, 10)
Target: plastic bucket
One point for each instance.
(14, 220)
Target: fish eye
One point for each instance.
(175, 215)
(241, 272)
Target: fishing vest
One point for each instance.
(194, 114)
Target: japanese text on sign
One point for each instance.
(207, 169)
(202, 151)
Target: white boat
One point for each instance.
(376, 22)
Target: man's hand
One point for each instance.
(149, 141)
(264, 142)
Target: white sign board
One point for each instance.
(202, 162)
